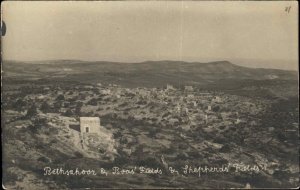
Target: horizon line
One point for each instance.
(169, 60)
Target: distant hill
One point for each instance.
(148, 73)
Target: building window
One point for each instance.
(87, 129)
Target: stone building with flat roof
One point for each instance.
(90, 125)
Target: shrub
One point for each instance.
(45, 107)
(60, 97)
(32, 129)
(9, 177)
(183, 146)
(117, 134)
(19, 104)
(78, 154)
(225, 149)
(153, 132)
(121, 160)
(150, 162)
(43, 159)
(69, 113)
(220, 139)
(32, 111)
(182, 156)
(195, 154)
(216, 108)
(93, 102)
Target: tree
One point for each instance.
(32, 111)
(78, 108)
(60, 97)
(139, 152)
(69, 113)
(57, 106)
(153, 132)
(216, 108)
(45, 107)
(93, 102)
(19, 104)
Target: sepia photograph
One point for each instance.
(149, 95)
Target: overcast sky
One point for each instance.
(263, 32)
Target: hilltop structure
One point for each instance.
(95, 137)
(90, 125)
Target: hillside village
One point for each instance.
(139, 126)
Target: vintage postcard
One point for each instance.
(149, 94)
